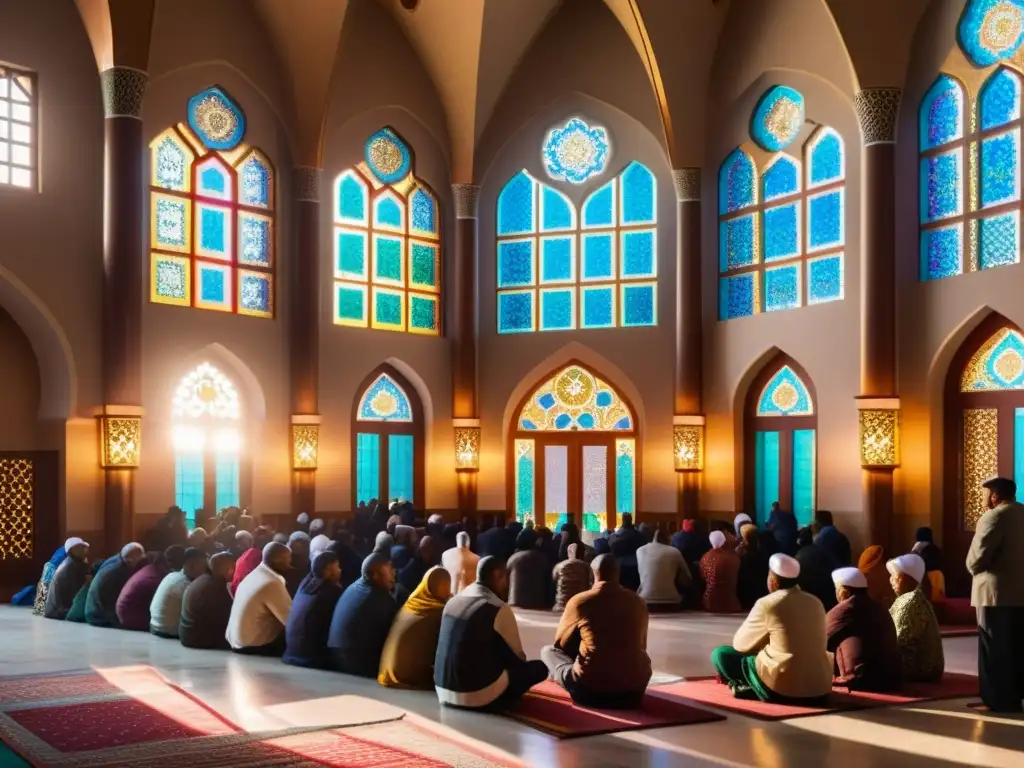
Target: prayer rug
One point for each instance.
(549, 708)
(709, 691)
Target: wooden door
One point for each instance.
(29, 521)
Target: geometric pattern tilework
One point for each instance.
(980, 460)
(17, 513)
(212, 227)
(384, 400)
(998, 364)
(387, 242)
(575, 399)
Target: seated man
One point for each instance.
(917, 629)
(600, 651)
(312, 608)
(480, 663)
(720, 572)
(427, 556)
(134, 600)
(362, 619)
(165, 608)
(664, 575)
(71, 576)
(862, 637)
(571, 577)
(206, 606)
(779, 653)
(529, 574)
(298, 543)
(460, 562)
(101, 602)
(261, 606)
(407, 660)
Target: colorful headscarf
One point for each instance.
(424, 598)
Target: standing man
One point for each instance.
(997, 593)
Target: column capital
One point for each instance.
(307, 183)
(123, 91)
(466, 198)
(877, 110)
(687, 184)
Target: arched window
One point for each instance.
(19, 126)
(212, 220)
(207, 437)
(970, 175)
(387, 448)
(780, 442)
(387, 242)
(781, 216)
(557, 271)
(573, 449)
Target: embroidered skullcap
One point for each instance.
(911, 564)
(784, 566)
(849, 577)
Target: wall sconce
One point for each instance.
(305, 442)
(467, 445)
(879, 432)
(120, 437)
(688, 443)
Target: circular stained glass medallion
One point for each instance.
(387, 156)
(216, 119)
(785, 396)
(576, 152)
(991, 30)
(1008, 365)
(574, 387)
(778, 118)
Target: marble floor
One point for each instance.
(263, 694)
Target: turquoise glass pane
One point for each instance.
(638, 305)
(637, 195)
(826, 220)
(388, 213)
(212, 230)
(367, 467)
(351, 303)
(387, 308)
(352, 254)
(422, 313)
(388, 258)
(942, 113)
(557, 213)
(515, 263)
(211, 283)
(1018, 447)
(999, 240)
(771, 404)
(803, 475)
(825, 279)
(827, 159)
(942, 252)
(599, 209)
(766, 474)
(1000, 99)
(781, 233)
(597, 257)
(638, 254)
(737, 182)
(781, 179)
(737, 296)
(423, 264)
(736, 243)
(400, 458)
(227, 481)
(625, 482)
(598, 307)
(188, 484)
(556, 310)
(213, 179)
(524, 486)
(516, 206)
(1000, 169)
(782, 288)
(556, 259)
(351, 200)
(515, 312)
(424, 212)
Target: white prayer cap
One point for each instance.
(297, 535)
(717, 539)
(462, 540)
(318, 544)
(911, 564)
(740, 520)
(132, 546)
(784, 566)
(73, 542)
(849, 577)
(302, 519)
(435, 520)
(317, 525)
(242, 536)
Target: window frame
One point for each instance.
(9, 72)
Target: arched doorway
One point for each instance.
(984, 431)
(780, 442)
(387, 440)
(573, 450)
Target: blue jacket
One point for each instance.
(360, 625)
(309, 623)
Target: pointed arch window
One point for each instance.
(387, 242)
(212, 224)
(969, 177)
(558, 270)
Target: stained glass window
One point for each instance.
(781, 218)
(785, 394)
(387, 460)
(997, 365)
(387, 242)
(212, 227)
(19, 124)
(576, 151)
(384, 400)
(558, 270)
(575, 399)
(969, 177)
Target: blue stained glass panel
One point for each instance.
(940, 186)
(766, 473)
(172, 165)
(781, 232)
(637, 196)
(942, 113)
(827, 158)
(387, 212)
(524, 481)
(387, 261)
(384, 400)
(803, 475)
(515, 312)
(216, 119)
(738, 242)
(188, 484)
(423, 264)
(213, 230)
(638, 305)
(516, 206)
(942, 252)
(424, 212)
(556, 310)
(367, 467)
(782, 178)
(785, 394)
(737, 182)
(351, 304)
(400, 458)
(598, 260)
(825, 279)
(556, 259)
(387, 308)
(990, 30)
(515, 263)
(352, 199)
(255, 183)
(737, 296)
(1018, 447)
(999, 240)
(227, 480)
(211, 286)
(254, 293)
(1000, 169)
(625, 481)
(826, 220)
(213, 180)
(599, 209)
(778, 118)
(782, 288)
(1000, 99)
(352, 254)
(638, 257)
(598, 307)
(170, 223)
(254, 234)
(558, 212)
(422, 313)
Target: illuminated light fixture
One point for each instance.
(688, 443)
(120, 437)
(879, 432)
(467, 444)
(305, 442)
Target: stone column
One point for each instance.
(463, 330)
(124, 257)
(304, 338)
(877, 110)
(688, 404)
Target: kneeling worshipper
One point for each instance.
(720, 572)
(529, 574)
(165, 608)
(134, 601)
(362, 619)
(427, 556)
(862, 636)
(251, 558)
(480, 662)
(260, 610)
(571, 577)
(461, 562)
(407, 660)
(35, 595)
(69, 578)
(309, 622)
(600, 651)
(298, 543)
(779, 653)
(206, 606)
(872, 564)
(664, 575)
(101, 602)
(917, 629)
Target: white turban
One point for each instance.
(911, 564)
(132, 546)
(302, 519)
(717, 539)
(741, 519)
(318, 544)
(73, 542)
(243, 536)
(299, 535)
(784, 566)
(435, 520)
(849, 577)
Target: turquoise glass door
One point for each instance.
(766, 474)
(367, 467)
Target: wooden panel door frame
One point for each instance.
(47, 532)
